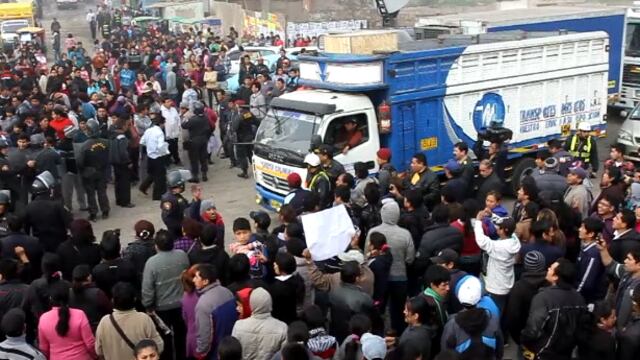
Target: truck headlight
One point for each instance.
(625, 136)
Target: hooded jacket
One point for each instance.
(261, 335)
(502, 255)
(398, 239)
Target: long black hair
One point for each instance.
(60, 299)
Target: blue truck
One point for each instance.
(613, 21)
(433, 93)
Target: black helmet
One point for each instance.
(93, 127)
(198, 108)
(5, 197)
(177, 178)
(43, 183)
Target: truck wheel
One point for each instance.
(519, 170)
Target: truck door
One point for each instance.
(420, 130)
(365, 142)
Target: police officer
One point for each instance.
(172, 203)
(199, 133)
(46, 218)
(245, 126)
(5, 204)
(559, 153)
(332, 167)
(93, 161)
(318, 181)
(8, 180)
(582, 146)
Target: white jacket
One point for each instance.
(502, 255)
(171, 122)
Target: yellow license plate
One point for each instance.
(429, 143)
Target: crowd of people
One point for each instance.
(436, 269)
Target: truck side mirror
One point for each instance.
(624, 113)
(316, 141)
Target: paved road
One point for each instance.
(233, 196)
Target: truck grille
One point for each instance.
(631, 74)
(275, 182)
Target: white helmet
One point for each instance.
(312, 160)
(584, 126)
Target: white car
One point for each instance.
(9, 29)
(628, 134)
(254, 52)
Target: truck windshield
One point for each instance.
(286, 129)
(12, 27)
(632, 41)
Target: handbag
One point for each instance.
(121, 333)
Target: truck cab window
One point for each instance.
(347, 132)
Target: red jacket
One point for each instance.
(59, 125)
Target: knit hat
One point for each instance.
(241, 224)
(294, 180)
(551, 164)
(13, 322)
(373, 347)
(144, 229)
(206, 205)
(384, 154)
(534, 261)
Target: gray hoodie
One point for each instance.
(398, 239)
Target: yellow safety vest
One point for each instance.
(583, 154)
(315, 178)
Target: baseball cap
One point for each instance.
(445, 256)
(325, 149)
(452, 166)
(312, 160)
(503, 221)
(578, 171)
(469, 290)
(584, 126)
(294, 180)
(261, 218)
(373, 346)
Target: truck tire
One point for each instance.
(519, 170)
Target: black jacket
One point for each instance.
(74, 254)
(380, 267)
(47, 220)
(345, 301)
(554, 323)
(416, 336)
(490, 183)
(416, 222)
(519, 303)
(429, 187)
(437, 238)
(215, 256)
(199, 128)
(620, 247)
(12, 295)
(109, 272)
(93, 301)
(602, 345)
(287, 295)
(32, 248)
(458, 187)
(629, 340)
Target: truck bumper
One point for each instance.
(268, 199)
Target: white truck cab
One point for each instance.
(296, 119)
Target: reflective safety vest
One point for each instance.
(584, 152)
(314, 179)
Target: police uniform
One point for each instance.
(93, 161)
(173, 207)
(320, 183)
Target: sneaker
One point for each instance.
(93, 218)
(205, 178)
(129, 206)
(243, 175)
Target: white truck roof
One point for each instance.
(342, 101)
(517, 16)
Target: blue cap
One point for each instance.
(453, 166)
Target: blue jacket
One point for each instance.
(489, 228)
(215, 316)
(590, 274)
(88, 111)
(127, 77)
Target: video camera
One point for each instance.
(495, 134)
